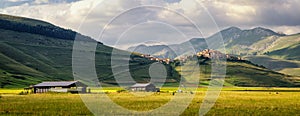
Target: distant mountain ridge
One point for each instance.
(233, 37)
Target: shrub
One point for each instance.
(122, 90)
(23, 93)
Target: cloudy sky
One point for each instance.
(122, 23)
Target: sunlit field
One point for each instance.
(232, 101)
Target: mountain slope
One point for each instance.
(278, 53)
(239, 73)
(248, 37)
(29, 61)
(29, 57)
(286, 47)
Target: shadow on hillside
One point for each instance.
(273, 64)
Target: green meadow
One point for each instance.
(232, 101)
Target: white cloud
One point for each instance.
(287, 29)
(276, 14)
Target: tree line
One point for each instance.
(49, 31)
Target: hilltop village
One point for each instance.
(207, 54)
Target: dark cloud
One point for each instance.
(265, 12)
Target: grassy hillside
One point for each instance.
(243, 73)
(290, 67)
(278, 53)
(284, 47)
(28, 59)
(283, 42)
(290, 53)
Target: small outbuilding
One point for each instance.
(144, 87)
(60, 86)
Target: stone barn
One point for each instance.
(60, 86)
(149, 87)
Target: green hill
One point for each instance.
(28, 57)
(281, 54)
(287, 47)
(240, 73)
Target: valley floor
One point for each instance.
(232, 101)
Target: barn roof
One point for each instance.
(141, 84)
(57, 84)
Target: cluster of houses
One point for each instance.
(209, 53)
(160, 60)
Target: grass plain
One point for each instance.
(232, 101)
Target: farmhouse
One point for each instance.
(60, 86)
(144, 87)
